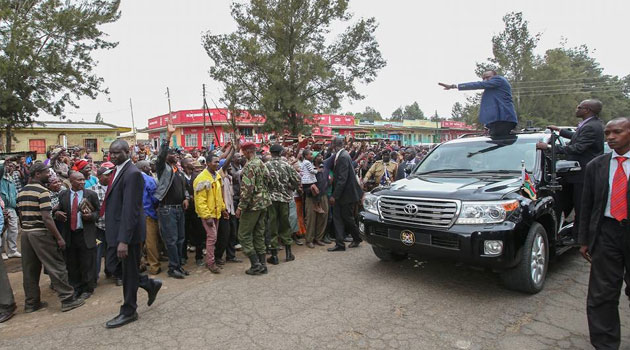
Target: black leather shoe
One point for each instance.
(337, 248)
(326, 240)
(184, 272)
(354, 244)
(121, 320)
(71, 304)
(5, 316)
(157, 284)
(175, 274)
(36, 307)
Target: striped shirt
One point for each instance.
(30, 202)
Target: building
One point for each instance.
(134, 138)
(189, 126)
(43, 136)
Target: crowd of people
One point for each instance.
(206, 204)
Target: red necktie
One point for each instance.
(109, 188)
(618, 199)
(74, 212)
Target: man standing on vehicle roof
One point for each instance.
(496, 111)
(587, 142)
(604, 234)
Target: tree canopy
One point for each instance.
(410, 112)
(285, 64)
(45, 56)
(369, 114)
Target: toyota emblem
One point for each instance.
(411, 209)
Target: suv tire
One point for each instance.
(529, 275)
(387, 255)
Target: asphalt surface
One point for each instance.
(341, 300)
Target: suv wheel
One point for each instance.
(387, 255)
(529, 275)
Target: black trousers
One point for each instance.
(112, 263)
(500, 128)
(226, 235)
(132, 279)
(195, 234)
(610, 257)
(80, 261)
(343, 219)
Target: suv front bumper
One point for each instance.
(462, 243)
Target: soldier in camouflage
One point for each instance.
(252, 209)
(283, 181)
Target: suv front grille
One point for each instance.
(445, 242)
(419, 211)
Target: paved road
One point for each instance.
(347, 300)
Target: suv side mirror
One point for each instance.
(567, 166)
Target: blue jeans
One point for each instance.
(172, 224)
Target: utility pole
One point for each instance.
(203, 141)
(168, 96)
(133, 124)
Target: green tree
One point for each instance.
(413, 112)
(369, 114)
(45, 56)
(285, 63)
(98, 119)
(457, 112)
(397, 115)
(436, 117)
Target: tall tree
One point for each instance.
(369, 114)
(45, 56)
(98, 119)
(413, 112)
(457, 112)
(397, 115)
(286, 64)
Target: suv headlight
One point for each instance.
(486, 212)
(370, 203)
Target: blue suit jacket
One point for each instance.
(496, 100)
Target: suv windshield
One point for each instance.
(500, 155)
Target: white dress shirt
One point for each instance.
(611, 174)
(119, 168)
(80, 194)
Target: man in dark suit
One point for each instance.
(346, 194)
(125, 230)
(587, 142)
(604, 234)
(408, 163)
(496, 110)
(78, 211)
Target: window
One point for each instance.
(90, 145)
(38, 145)
(190, 140)
(246, 131)
(209, 139)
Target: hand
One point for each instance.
(185, 204)
(585, 253)
(554, 128)
(122, 250)
(542, 145)
(86, 216)
(448, 86)
(225, 214)
(238, 213)
(61, 243)
(170, 128)
(61, 216)
(331, 201)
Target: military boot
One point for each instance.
(263, 265)
(256, 267)
(290, 256)
(273, 258)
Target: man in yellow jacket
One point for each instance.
(210, 206)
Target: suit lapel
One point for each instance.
(604, 174)
(119, 176)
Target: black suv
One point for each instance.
(465, 202)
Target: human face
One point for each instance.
(213, 164)
(386, 157)
(43, 177)
(77, 181)
(117, 154)
(54, 185)
(187, 165)
(582, 110)
(172, 158)
(487, 75)
(87, 170)
(104, 179)
(617, 133)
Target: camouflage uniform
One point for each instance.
(253, 205)
(283, 180)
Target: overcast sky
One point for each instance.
(423, 42)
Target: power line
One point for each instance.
(557, 80)
(567, 92)
(528, 88)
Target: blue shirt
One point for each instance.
(149, 202)
(93, 180)
(79, 220)
(496, 100)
